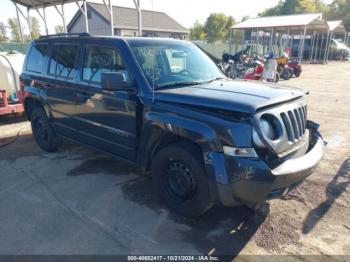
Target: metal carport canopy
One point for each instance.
(336, 26)
(41, 3)
(283, 23)
(37, 4)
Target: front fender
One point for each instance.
(157, 125)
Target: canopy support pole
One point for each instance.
(326, 48)
(61, 13)
(109, 8)
(322, 38)
(243, 39)
(29, 24)
(329, 45)
(257, 41)
(302, 45)
(230, 41)
(43, 17)
(19, 22)
(139, 15)
(316, 48)
(84, 12)
(271, 40)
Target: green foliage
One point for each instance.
(337, 10)
(59, 29)
(3, 32)
(35, 25)
(340, 10)
(216, 26)
(287, 7)
(14, 28)
(197, 31)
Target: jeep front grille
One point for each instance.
(295, 123)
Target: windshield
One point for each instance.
(174, 64)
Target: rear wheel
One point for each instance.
(180, 180)
(43, 132)
(297, 73)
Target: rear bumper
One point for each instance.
(252, 181)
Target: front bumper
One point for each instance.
(253, 181)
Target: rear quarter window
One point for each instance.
(62, 61)
(36, 58)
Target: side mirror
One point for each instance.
(114, 81)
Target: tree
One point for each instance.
(216, 26)
(3, 32)
(197, 31)
(35, 26)
(59, 29)
(287, 7)
(340, 10)
(14, 28)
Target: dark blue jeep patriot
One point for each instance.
(165, 107)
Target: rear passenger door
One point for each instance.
(61, 87)
(107, 119)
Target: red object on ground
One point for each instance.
(10, 108)
(254, 73)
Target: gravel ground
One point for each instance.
(76, 201)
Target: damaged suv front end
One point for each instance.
(286, 148)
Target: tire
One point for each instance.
(287, 74)
(180, 180)
(43, 132)
(297, 73)
(277, 77)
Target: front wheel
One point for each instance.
(180, 180)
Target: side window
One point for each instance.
(62, 61)
(99, 59)
(36, 58)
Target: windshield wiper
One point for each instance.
(215, 79)
(179, 84)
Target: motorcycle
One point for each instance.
(264, 69)
(295, 66)
(235, 65)
(282, 67)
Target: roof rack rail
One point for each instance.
(64, 35)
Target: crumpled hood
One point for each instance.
(237, 95)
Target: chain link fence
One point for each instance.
(19, 47)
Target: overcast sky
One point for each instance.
(186, 12)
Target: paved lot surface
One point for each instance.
(77, 201)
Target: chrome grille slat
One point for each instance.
(299, 122)
(294, 121)
(301, 113)
(288, 126)
(294, 124)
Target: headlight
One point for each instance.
(256, 139)
(268, 129)
(239, 151)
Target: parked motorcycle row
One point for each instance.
(253, 67)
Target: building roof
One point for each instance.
(127, 18)
(294, 22)
(336, 26)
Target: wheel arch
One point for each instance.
(34, 97)
(161, 130)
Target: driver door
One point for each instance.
(107, 119)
